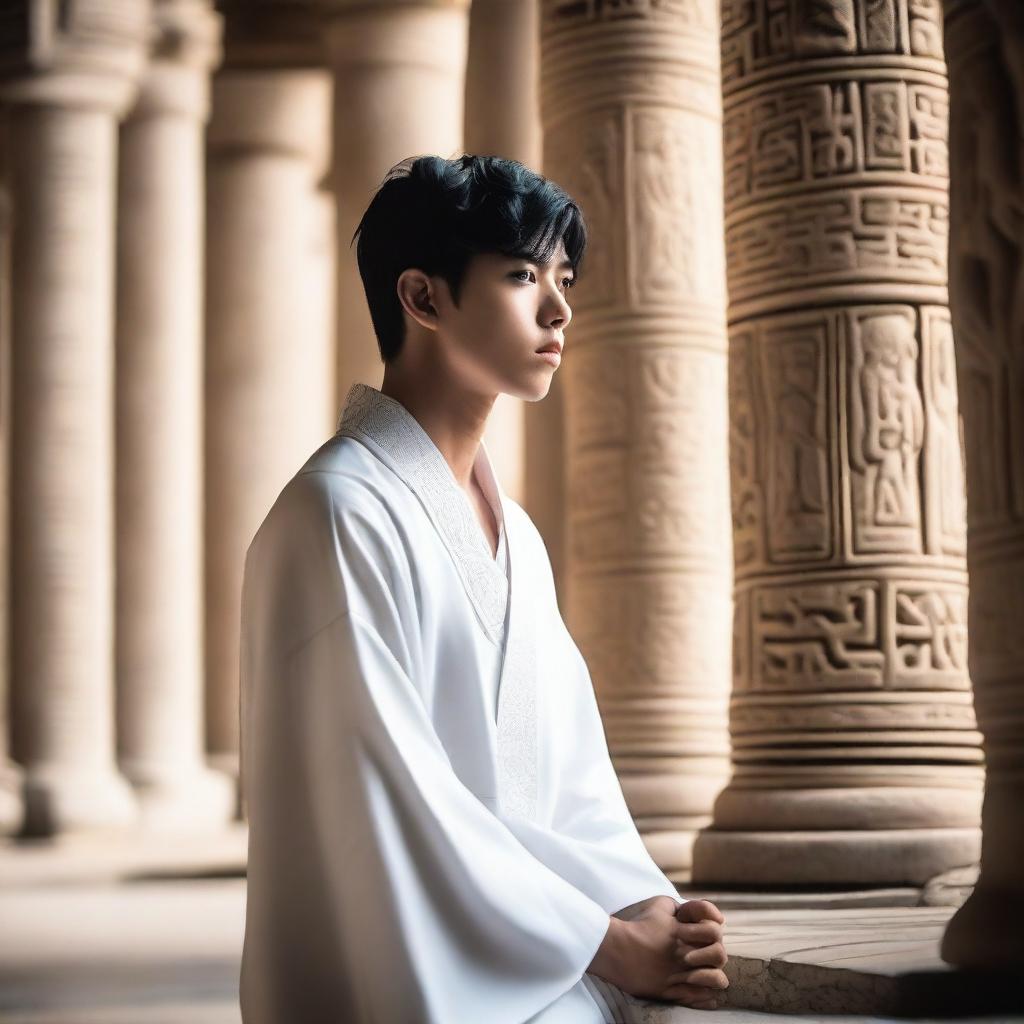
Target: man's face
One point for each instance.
(509, 309)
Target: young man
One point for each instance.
(437, 835)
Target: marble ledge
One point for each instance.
(866, 963)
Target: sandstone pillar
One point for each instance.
(62, 147)
(856, 759)
(159, 419)
(10, 782)
(399, 68)
(502, 118)
(270, 398)
(631, 111)
(985, 51)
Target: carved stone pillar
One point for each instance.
(985, 51)
(159, 417)
(10, 780)
(399, 68)
(631, 112)
(503, 119)
(62, 146)
(270, 398)
(855, 754)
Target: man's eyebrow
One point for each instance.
(564, 265)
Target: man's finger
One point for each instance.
(699, 910)
(689, 994)
(706, 977)
(704, 933)
(704, 956)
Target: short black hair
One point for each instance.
(434, 214)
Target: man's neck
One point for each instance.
(453, 418)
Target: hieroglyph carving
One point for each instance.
(631, 108)
(848, 498)
(870, 377)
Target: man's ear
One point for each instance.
(417, 294)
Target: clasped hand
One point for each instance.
(658, 949)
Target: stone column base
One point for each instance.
(10, 798)
(65, 798)
(196, 800)
(879, 857)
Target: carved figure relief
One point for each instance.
(796, 442)
(664, 241)
(886, 432)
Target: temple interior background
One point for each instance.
(786, 436)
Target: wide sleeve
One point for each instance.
(585, 830)
(587, 834)
(380, 887)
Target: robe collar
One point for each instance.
(395, 436)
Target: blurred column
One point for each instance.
(62, 145)
(855, 755)
(503, 119)
(985, 51)
(270, 398)
(159, 418)
(399, 68)
(632, 128)
(10, 779)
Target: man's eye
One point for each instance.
(568, 281)
(517, 273)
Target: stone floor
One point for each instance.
(101, 933)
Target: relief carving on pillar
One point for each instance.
(821, 131)
(699, 13)
(591, 152)
(631, 105)
(848, 239)
(759, 36)
(662, 206)
(642, 422)
(747, 490)
(885, 431)
(868, 380)
(850, 633)
(794, 367)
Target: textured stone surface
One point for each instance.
(10, 781)
(631, 112)
(409, 60)
(268, 376)
(501, 118)
(851, 705)
(159, 630)
(986, 57)
(62, 137)
(76, 949)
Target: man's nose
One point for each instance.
(560, 313)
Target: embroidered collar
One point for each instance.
(395, 436)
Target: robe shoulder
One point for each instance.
(335, 533)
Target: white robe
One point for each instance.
(436, 832)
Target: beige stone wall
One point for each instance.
(159, 427)
(269, 394)
(10, 783)
(408, 59)
(502, 119)
(985, 48)
(63, 113)
(856, 758)
(631, 113)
